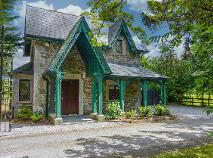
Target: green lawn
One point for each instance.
(205, 151)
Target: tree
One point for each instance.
(12, 38)
(178, 70)
(190, 20)
(105, 11)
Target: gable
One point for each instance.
(53, 26)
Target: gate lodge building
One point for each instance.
(68, 75)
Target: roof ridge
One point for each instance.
(53, 10)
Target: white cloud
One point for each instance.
(153, 51)
(19, 60)
(73, 9)
(139, 5)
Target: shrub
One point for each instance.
(24, 112)
(36, 117)
(145, 111)
(114, 110)
(131, 114)
(161, 110)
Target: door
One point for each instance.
(70, 97)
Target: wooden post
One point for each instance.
(100, 96)
(161, 92)
(164, 94)
(145, 92)
(122, 95)
(58, 95)
(94, 92)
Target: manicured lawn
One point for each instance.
(205, 151)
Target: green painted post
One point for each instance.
(58, 95)
(164, 93)
(141, 91)
(145, 93)
(161, 92)
(94, 108)
(100, 96)
(122, 95)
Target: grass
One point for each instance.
(205, 151)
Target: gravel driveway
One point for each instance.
(129, 140)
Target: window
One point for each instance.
(24, 90)
(119, 46)
(114, 94)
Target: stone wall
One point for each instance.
(15, 94)
(73, 64)
(131, 94)
(125, 57)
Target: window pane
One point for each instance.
(24, 90)
(119, 46)
(114, 94)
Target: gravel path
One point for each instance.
(189, 112)
(90, 139)
(133, 141)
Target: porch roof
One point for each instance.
(26, 69)
(133, 71)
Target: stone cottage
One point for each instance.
(68, 75)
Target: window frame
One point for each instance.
(24, 80)
(114, 89)
(121, 46)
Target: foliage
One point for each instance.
(189, 23)
(195, 152)
(178, 70)
(12, 38)
(36, 117)
(131, 114)
(104, 11)
(145, 111)
(113, 110)
(161, 110)
(25, 112)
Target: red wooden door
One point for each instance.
(70, 97)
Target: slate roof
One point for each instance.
(131, 70)
(24, 69)
(56, 25)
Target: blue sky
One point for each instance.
(76, 7)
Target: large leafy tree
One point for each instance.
(103, 11)
(190, 21)
(178, 70)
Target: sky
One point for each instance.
(76, 7)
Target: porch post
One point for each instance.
(122, 95)
(162, 92)
(94, 108)
(58, 119)
(145, 92)
(141, 91)
(100, 96)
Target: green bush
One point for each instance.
(161, 110)
(131, 114)
(36, 117)
(114, 110)
(25, 112)
(145, 111)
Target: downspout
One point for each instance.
(47, 97)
